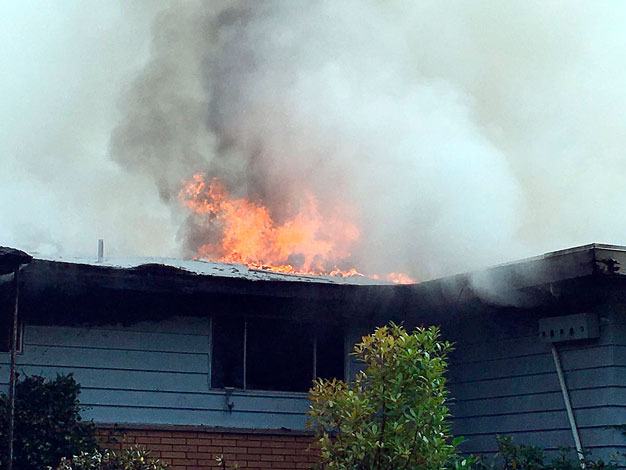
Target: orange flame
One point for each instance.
(396, 278)
(309, 242)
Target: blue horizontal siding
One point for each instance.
(157, 372)
(509, 386)
(151, 372)
(119, 338)
(213, 400)
(532, 383)
(118, 359)
(94, 377)
(534, 402)
(541, 362)
(540, 420)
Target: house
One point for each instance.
(198, 359)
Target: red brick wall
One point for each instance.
(193, 448)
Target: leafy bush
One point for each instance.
(48, 425)
(133, 458)
(512, 456)
(394, 414)
(520, 456)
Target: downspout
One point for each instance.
(12, 373)
(568, 405)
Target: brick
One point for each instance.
(200, 455)
(199, 441)
(215, 449)
(174, 440)
(249, 443)
(184, 448)
(210, 463)
(282, 465)
(283, 451)
(224, 442)
(174, 455)
(148, 440)
(185, 434)
(196, 450)
(186, 462)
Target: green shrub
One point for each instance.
(48, 425)
(512, 456)
(134, 458)
(393, 415)
(520, 456)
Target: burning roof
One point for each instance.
(502, 285)
(308, 241)
(215, 269)
(82, 291)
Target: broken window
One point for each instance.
(279, 356)
(272, 354)
(330, 353)
(227, 353)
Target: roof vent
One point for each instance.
(100, 250)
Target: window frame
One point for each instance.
(244, 381)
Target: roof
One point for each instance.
(11, 259)
(549, 267)
(196, 287)
(539, 270)
(210, 268)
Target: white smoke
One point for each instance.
(63, 67)
(465, 133)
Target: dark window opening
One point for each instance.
(274, 355)
(279, 356)
(227, 352)
(330, 353)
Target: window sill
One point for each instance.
(261, 393)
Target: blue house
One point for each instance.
(175, 354)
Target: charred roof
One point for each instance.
(85, 291)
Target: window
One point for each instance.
(279, 356)
(330, 353)
(227, 354)
(273, 354)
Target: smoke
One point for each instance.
(63, 66)
(462, 133)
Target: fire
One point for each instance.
(396, 278)
(308, 242)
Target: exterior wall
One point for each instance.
(197, 449)
(503, 381)
(153, 372)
